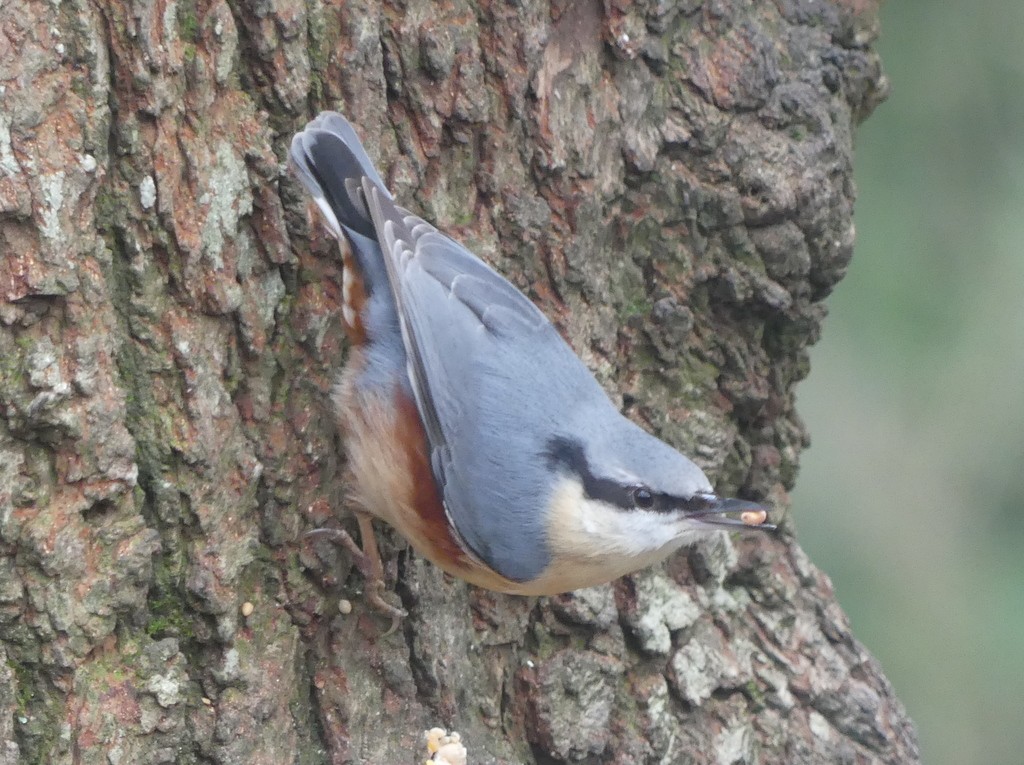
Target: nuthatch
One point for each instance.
(471, 426)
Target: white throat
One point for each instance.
(597, 534)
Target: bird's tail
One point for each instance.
(330, 161)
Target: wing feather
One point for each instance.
(443, 291)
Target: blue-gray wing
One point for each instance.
(487, 369)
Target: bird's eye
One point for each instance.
(643, 498)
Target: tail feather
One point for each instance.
(330, 161)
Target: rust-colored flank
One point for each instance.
(434, 531)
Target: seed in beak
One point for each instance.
(753, 517)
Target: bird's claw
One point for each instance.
(367, 560)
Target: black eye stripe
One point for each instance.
(564, 453)
(568, 454)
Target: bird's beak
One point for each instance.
(725, 513)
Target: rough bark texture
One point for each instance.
(670, 181)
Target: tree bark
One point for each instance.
(670, 182)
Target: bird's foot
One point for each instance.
(367, 560)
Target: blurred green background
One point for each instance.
(912, 494)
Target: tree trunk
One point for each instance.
(670, 182)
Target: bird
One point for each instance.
(470, 425)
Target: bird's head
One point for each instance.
(623, 496)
